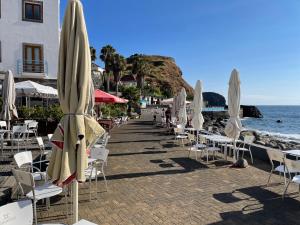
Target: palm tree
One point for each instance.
(118, 66)
(93, 54)
(142, 69)
(107, 54)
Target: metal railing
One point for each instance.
(32, 66)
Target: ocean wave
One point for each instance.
(281, 136)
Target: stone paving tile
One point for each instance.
(151, 181)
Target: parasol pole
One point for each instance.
(75, 200)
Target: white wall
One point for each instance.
(14, 32)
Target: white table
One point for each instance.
(293, 152)
(220, 139)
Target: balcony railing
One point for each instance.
(32, 67)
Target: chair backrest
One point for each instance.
(210, 129)
(99, 153)
(3, 124)
(28, 121)
(19, 129)
(32, 125)
(275, 155)
(17, 213)
(40, 142)
(191, 137)
(23, 178)
(49, 136)
(249, 139)
(292, 165)
(23, 158)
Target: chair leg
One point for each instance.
(196, 155)
(104, 179)
(96, 178)
(251, 157)
(285, 190)
(90, 184)
(189, 153)
(34, 212)
(269, 177)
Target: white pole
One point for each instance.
(75, 201)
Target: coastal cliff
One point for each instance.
(164, 74)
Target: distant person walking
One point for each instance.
(168, 116)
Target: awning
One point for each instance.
(32, 89)
(103, 97)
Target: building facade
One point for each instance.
(29, 38)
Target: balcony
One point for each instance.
(32, 68)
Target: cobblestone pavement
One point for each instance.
(152, 181)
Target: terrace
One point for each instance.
(152, 181)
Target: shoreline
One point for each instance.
(261, 138)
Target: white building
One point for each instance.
(29, 38)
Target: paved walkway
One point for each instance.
(151, 181)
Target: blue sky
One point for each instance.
(208, 38)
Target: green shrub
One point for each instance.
(53, 113)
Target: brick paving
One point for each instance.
(152, 181)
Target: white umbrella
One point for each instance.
(33, 89)
(233, 127)
(182, 115)
(77, 130)
(9, 109)
(198, 120)
(173, 112)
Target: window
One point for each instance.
(33, 58)
(33, 11)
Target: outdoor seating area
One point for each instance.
(150, 177)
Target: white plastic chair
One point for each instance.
(36, 193)
(24, 161)
(180, 135)
(276, 156)
(42, 147)
(19, 136)
(248, 140)
(3, 125)
(32, 128)
(96, 168)
(194, 147)
(292, 166)
(21, 213)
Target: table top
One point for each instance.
(190, 129)
(294, 152)
(218, 138)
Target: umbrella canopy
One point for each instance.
(33, 89)
(77, 130)
(198, 120)
(234, 126)
(103, 97)
(173, 111)
(182, 115)
(9, 109)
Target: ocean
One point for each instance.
(289, 129)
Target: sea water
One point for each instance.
(288, 129)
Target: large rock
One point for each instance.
(214, 99)
(251, 111)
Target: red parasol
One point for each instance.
(103, 97)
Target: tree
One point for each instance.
(107, 55)
(133, 95)
(141, 68)
(118, 66)
(93, 54)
